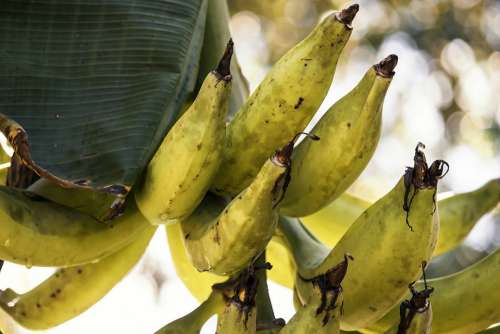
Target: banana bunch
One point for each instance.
(230, 196)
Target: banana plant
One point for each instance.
(123, 116)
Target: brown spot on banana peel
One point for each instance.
(283, 158)
(18, 139)
(420, 176)
(346, 16)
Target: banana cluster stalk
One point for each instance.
(182, 168)
(283, 103)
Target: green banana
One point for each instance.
(198, 283)
(38, 232)
(459, 213)
(182, 168)
(238, 233)
(378, 232)
(70, 291)
(194, 321)
(234, 320)
(415, 314)
(318, 303)
(284, 102)
(322, 171)
(462, 303)
(457, 216)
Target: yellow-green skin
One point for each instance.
(462, 303)
(306, 321)
(458, 214)
(228, 243)
(349, 133)
(198, 283)
(387, 254)
(70, 291)
(184, 165)
(282, 105)
(194, 321)
(492, 330)
(420, 324)
(38, 232)
(94, 203)
(232, 320)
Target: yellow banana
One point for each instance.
(198, 283)
(389, 241)
(284, 102)
(349, 132)
(194, 321)
(462, 303)
(70, 291)
(38, 232)
(182, 169)
(318, 303)
(457, 216)
(240, 232)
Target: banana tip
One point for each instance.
(347, 15)
(224, 68)
(385, 68)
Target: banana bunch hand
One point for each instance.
(229, 195)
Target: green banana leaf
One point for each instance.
(96, 84)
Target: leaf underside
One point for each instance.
(97, 84)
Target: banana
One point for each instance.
(237, 235)
(184, 165)
(389, 241)
(458, 214)
(323, 171)
(198, 283)
(38, 232)
(70, 291)
(318, 303)
(462, 303)
(194, 321)
(283, 103)
(415, 314)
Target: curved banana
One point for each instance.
(241, 231)
(458, 214)
(349, 132)
(284, 102)
(198, 283)
(70, 291)
(194, 321)
(184, 165)
(462, 303)
(389, 241)
(38, 232)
